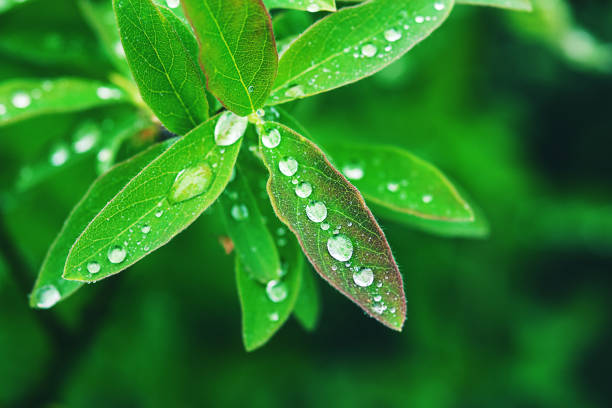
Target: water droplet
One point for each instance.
(274, 317)
(295, 92)
(340, 247)
(313, 8)
(173, 3)
(271, 138)
(392, 35)
(303, 190)
(251, 89)
(369, 50)
(105, 155)
(288, 166)
(439, 6)
(240, 212)
(229, 128)
(276, 291)
(353, 171)
(59, 156)
(145, 229)
(377, 298)
(104, 92)
(159, 213)
(427, 198)
(119, 51)
(392, 187)
(47, 296)
(364, 277)
(325, 226)
(191, 182)
(116, 254)
(316, 211)
(93, 267)
(419, 19)
(2, 109)
(379, 309)
(21, 100)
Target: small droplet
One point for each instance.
(116, 254)
(159, 213)
(363, 277)
(93, 267)
(59, 156)
(419, 19)
(105, 155)
(271, 138)
(229, 128)
(288, 166)
(47, 296)
(392, 35)
(369, 50)
(392, 187)
(377, 298)
(325, 226)
(340, 247)
(240, 212)
(21, 100)
(316, 211)
(439, 6)
(173, 3)
(191, 182)
(276, 291)
(295, 92)
(104, 92)
(145, 229)
(353, 171)
(427, 198)
(313, 8)
(303, 190)
(274, 317)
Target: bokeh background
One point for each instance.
(515, 107)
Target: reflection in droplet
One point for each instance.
(229, 128)
(363, 277)
(340, 247)
(116, 254)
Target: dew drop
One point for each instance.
(271, 138)
(363, 277)
(303, 190)
(353, 171)
(159, 213)
(379, 309)
(145, 229)
(325, 226)
(288, 166)
(173, 3)
(427, 198)
(439, 6)
(295, 92)
(21, 100)
(340, 247)
(59, 156)
(392, 35)
(274, 317)
(316, 211)
(229, 128)
(47, 296)
(276, 291)
(377, 298)
(313, 8)
(93, 267)
(191, 182)
(240, 212)
(104, 92)
(419, 19)
(251, 89)
(104, 155)
(116, 254)
(392, 187)
(369, 50)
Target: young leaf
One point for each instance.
(309, 5)
(50, 288)
(521, 5)
(245, 225)
(168, 78)
(335, 228)
(155, 205)
(354, 43)
(237, 50)
(25, 98)
(306, 309)
(265, 308)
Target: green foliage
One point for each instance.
(522, 5)
(309, 5)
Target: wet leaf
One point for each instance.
(50, 287)
(168, 78)
(522, 5)
(309, 5)
(155, 205)
(307, 307)
(25, 98)
(354, 43)
(237, 51)
(335, 228)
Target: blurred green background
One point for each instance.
(515, 107)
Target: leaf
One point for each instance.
(521, 5)
(354, 43)
(333, 225)
(309, 5)
(307, 306)
(237, 50)
(25, 98)
(245, 225)
(155, 205)
(265, 308)
(168, 78)
(49, 287)
(6, 5)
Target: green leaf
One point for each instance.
(354, 43)
(101, 18)
(25, 98)
(265, 308)
(168, 78)
(309, 5)
(49, 287)
(521, 5)
(237, 51)
(6, 5)
(307, 307)
(253, 242)
(155, 205)
(333, 225)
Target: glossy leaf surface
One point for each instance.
(522, 5)
(309, 5)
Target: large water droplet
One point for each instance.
(363, 277)
(288, 166)
(271, 138)
(229, 128)
(303, 190)
(93, 267)
(21, 100)
(316, 211)
(191, 182)
(353, 171)
(47, 296)
(369, 50)
(392, 35)
(116, 254)
(240, 212)
(340, 247)
(276, 291)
